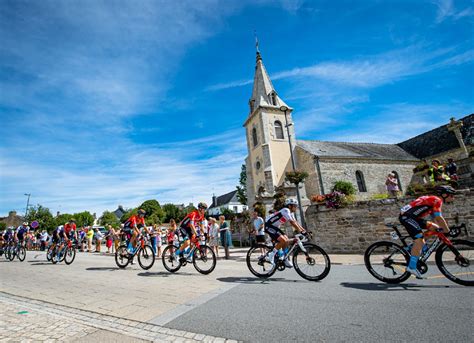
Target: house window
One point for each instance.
(398, 179)
(254, 137)
(360, 181)
(279, 130)
(235, 209)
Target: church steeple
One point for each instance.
(263, 93)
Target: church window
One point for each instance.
(258, 165)
(254, 137)
(398, 179)
(279, 130)
(360, 181)
(273, 99)
(252, 105)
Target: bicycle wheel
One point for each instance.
(146, 257)
(49, 253)
(62, 253)
(122, 258)
(387, 262)
(204, 259)
(69, 255)
(11, 253)
(312, 265)
(21, 253)
(257, 263)
(170, 259)
(457, 269)
(7, 253)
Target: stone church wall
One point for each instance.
(353, 228)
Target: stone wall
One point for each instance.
(353, 228)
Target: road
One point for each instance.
(132, 304)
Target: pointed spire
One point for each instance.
(256, 47)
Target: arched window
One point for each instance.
(360, 181)
(273, 99)
(279, 130)
(254, 137)
(398, 179)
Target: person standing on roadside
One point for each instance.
(224, 231)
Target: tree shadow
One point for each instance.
(370, 286)
(255, 280)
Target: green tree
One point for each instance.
(84, 218)
(173, 212)
(345, 187)
(62, 219)
(154, 212)
(108, 218)
(3, 226)
(242, 187)
(43, 216)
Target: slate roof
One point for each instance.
(439, 140)
(225, 199)
(356, 150)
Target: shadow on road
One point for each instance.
(41, 263)
(151, 274)
(110, 269)
(254, 280)
(370, 286)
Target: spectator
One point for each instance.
(259, 229)
(224, 231)
(82, 239)
(214, 235)
(159, 241)
(44, 239)
(436, 172)
(170, 237)
(452, 169)
(109, 239)
(117, 238)
(392, 185)
(99, 236)
(90, 236)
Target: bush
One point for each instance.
(344, 187)
(379, 196)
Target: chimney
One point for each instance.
(214, 200)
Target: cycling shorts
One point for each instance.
(273, 231)
(413, 225)
(186, 232)
(56, 238)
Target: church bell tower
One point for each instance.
(267, 138)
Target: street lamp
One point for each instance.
(27, 203)
(285, 109)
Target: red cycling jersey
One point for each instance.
(69, 227)
(423, 206)
(134, 220)
(192, 217)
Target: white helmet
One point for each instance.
(291, 201)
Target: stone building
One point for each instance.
(269, 132)
(13, 220)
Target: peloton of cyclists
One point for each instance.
(414, 218)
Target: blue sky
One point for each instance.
(116, 102)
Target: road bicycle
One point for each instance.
(310, 261)
(13, 250)
(387, 260)
(144, 251)
(66, 252)
(201, 256)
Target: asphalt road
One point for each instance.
(349, 305)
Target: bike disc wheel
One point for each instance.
(69, 255)
(204, 259)
(387, 262)
(170, 259)
(21, 253)
(257, 264)
(457, 269)
(146, 257)
(314, 265)
(122, 256)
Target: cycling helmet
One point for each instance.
(291, 201)
(440, 190)
(202, 205)
(141, 211)
(25, 224)
(72, 220)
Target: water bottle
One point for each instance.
(424, 249)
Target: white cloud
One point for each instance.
(447, 10)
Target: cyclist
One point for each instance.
(70, 229)
(132, 227)
(21, 232)
(58, 236)
(7, 237)
(187, 227)
(413, 218)
(272, 228)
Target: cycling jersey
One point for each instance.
(273, 223)
(192, 218)
(134, 221)
(423, 206)
(69, 228)
(21, 231)
(58, 234)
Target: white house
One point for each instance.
(228, 201)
